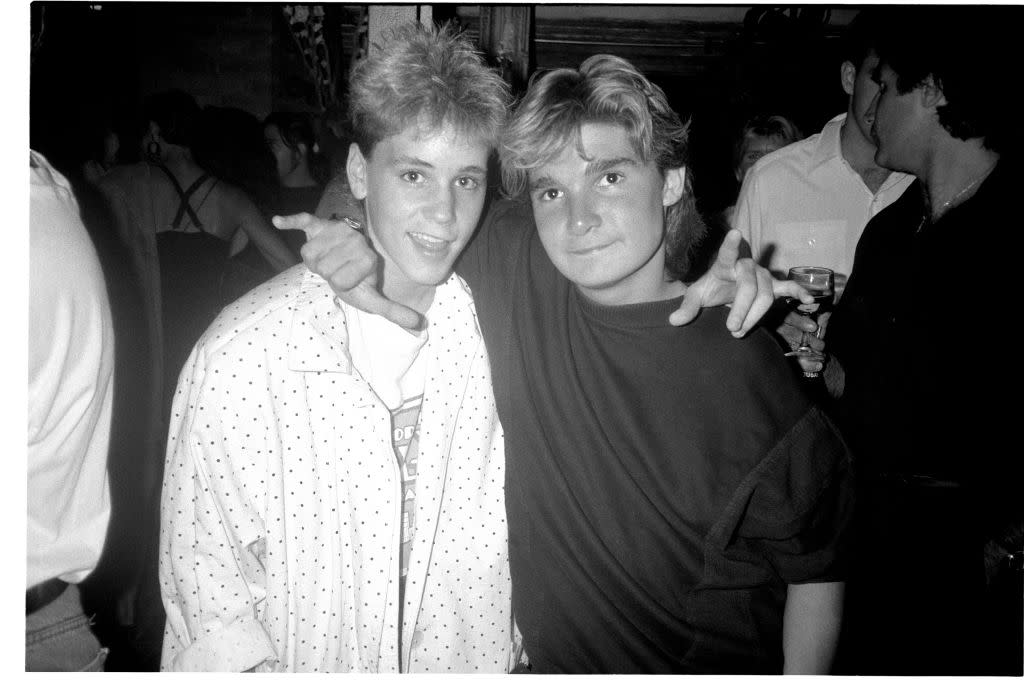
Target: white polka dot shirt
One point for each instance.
(281, 507)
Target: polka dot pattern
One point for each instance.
(281, 507)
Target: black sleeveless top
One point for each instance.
(192, 263)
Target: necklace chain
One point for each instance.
(945, 205)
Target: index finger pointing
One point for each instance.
(729, 251)
(299, 221)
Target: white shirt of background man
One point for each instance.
(804, 205)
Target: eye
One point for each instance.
(467, 182)
(412, 177)
(549, 194)
(611, 178)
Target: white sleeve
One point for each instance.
(211, 575)
(747, 216)
(70, 359)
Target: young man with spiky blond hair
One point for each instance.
(333, 495)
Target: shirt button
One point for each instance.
(417, 638)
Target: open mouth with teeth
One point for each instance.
(428, 242)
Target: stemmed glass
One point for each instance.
(820, 282)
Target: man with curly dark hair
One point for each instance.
(939, 512)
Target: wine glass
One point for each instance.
(820, 282)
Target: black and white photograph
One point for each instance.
(544, 338)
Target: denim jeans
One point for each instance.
(58, 637)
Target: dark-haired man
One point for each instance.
(922, 406)
(807, 203)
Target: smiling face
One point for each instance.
(423, 192)
(601, 220)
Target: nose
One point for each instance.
(442, 209)
(582, 218)
(873, 108)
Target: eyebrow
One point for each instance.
(542, 181)
(604, 165)
(593, 168)
(416, 161)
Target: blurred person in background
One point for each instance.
(936, 586)
(761, 135)
(301, 169)
(277, 162)
(174, 220)
(70, 394)
(178, 220)
(807, 204)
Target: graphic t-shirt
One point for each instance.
(405, 430)
(388, 357)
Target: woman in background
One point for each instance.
(760, 135)
(300, 168)
(178, 221)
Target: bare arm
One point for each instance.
(261, 232)
(810, 627)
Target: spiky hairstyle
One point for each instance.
(429, 77)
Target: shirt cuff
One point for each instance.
(239, 646)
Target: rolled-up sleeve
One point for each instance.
(792, 514)
(211, 574)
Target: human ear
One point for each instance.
(848, 76)
(355, 169)
(672, 188)
(931, 94)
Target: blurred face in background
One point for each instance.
(755, 147)
(151, 143)
(861, 87)
(286, 158)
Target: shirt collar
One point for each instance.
(828, 146)
(318, 339)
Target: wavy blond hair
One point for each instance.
(605, 89)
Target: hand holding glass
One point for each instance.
(820, 282)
